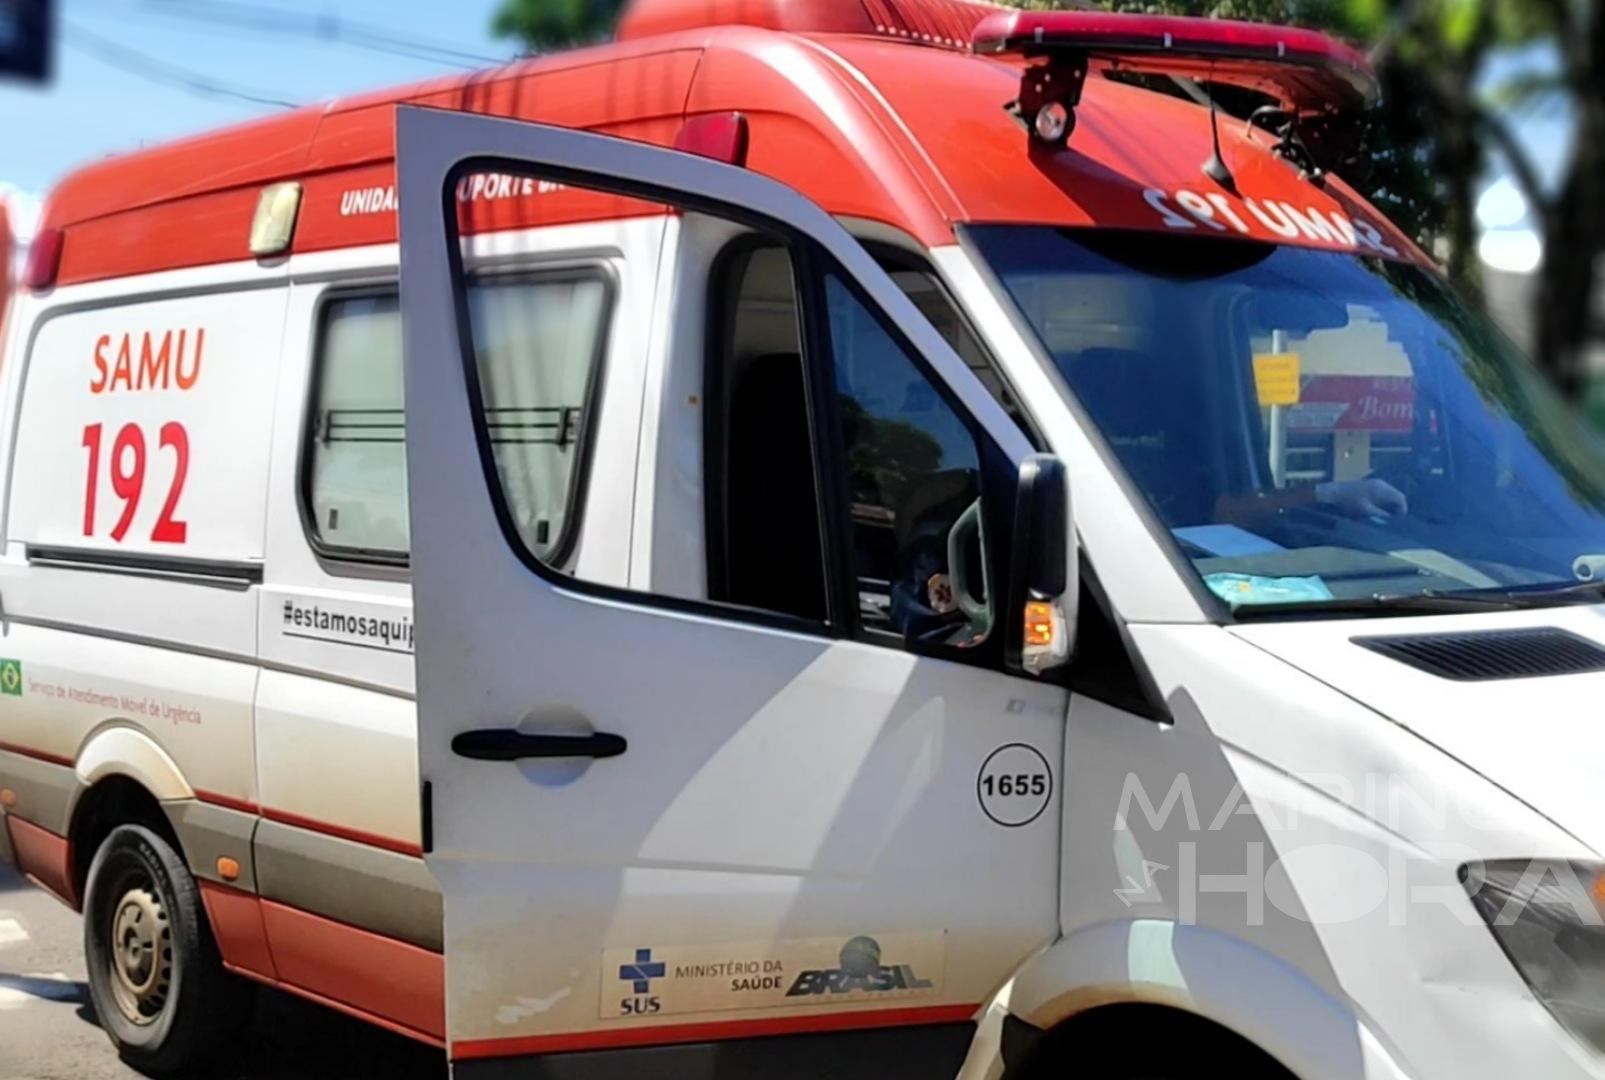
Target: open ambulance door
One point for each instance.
(665, 825)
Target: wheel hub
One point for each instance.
(141, 955)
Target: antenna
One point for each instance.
(1215, 168)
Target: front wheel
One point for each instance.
(155, 977)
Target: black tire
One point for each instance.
(155, 976)
(1156, 1061)
(1146, 1042)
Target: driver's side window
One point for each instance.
(909, 498)
(914, 486)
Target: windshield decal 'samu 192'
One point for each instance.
(1271, 220)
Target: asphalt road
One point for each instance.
(48, 1029)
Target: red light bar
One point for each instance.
(1304, 70)
(720, 136)
(942, 23)
(44, 259)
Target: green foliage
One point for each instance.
(542, 25)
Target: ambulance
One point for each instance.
(829, 538)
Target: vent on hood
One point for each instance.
(1492, 654)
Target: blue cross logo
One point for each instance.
(643, 971)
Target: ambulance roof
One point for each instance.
(873, 108)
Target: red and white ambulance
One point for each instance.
(844, 538)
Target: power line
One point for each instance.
(149, 67)
(327, 28)
(213, 28)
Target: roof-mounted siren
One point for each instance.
(1317, 84)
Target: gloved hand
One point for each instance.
(1370, 497)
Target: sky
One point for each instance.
(266, 49)
(134, 72)
(1508, 240)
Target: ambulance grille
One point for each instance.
(1480, 655)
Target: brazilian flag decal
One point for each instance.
(11, 677)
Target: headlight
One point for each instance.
(1549, 917)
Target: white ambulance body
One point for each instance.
(941, 573)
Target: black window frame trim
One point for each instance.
(349, 561)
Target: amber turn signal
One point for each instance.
(1038, 623)
(1596, 890)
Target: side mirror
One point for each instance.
(1043, 582)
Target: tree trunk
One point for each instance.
(1574, 234)
(1461, 157)
(1462, 161)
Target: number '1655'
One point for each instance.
(126, 470)
(1017, 784)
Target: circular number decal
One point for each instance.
(1015, 785)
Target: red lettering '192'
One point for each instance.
(126, 471)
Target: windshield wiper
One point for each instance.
(1432, 603)
(1583, 591)
(1422, 603)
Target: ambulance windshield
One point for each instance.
(1314, 428)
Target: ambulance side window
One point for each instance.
(357, 463)
(539, 343)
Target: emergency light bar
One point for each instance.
(1307, 73)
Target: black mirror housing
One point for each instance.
(1043, 586)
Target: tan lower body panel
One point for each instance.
(44, 791)
(381, 891)
(210, 834)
